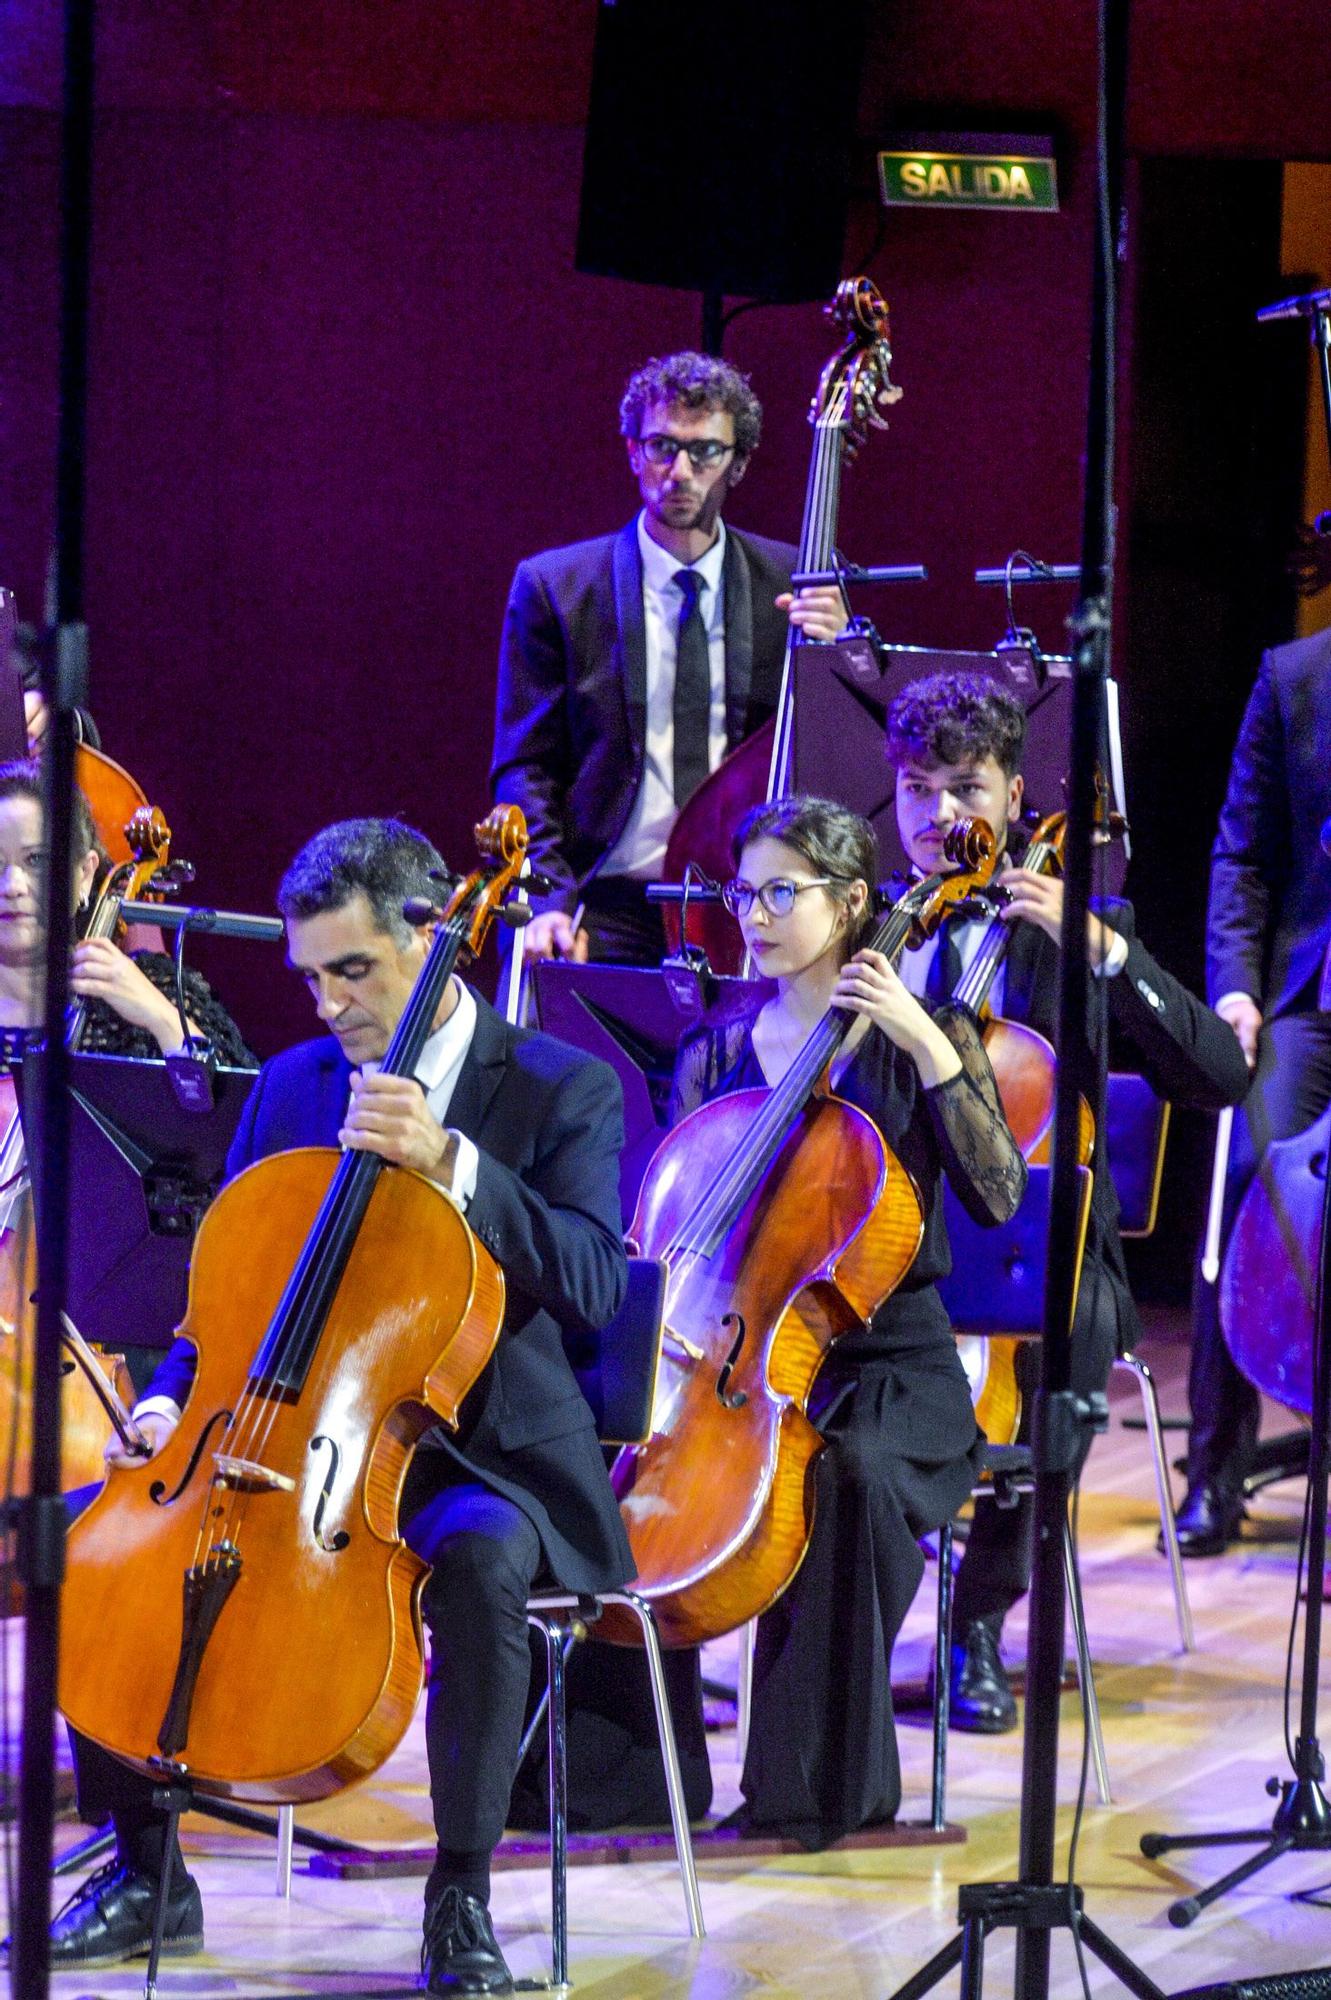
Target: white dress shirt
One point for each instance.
(640, 849)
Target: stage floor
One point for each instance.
(1191, 1742)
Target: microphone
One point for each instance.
(1303, 305)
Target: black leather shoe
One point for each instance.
(1207, 1522)
(109, 1918)
(982, 1701)
(459, 1953)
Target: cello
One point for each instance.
(340, 1307)
(1275, 1256)
(83, 1414)
(783, 1220)
(1025, 1070)
(852, 389)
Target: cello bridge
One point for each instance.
(248, 1476)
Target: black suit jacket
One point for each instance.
(1187, 1054)
(1268, 922)
(548, 1124)
(570, 721)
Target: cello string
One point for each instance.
(734, 1183)
(972, 989)
(332, 1239)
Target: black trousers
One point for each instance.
(1291, 1087)
(485, 1556)
(995, 1570)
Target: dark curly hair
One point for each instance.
(699, 382)
(832, 839)
(385, 860)
(954, 718)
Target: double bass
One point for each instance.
(784, 1221)
(339, 1307)
(853, 389)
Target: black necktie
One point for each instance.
(940, 982)
(693, 691)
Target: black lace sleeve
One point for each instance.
(980, 1156)
(704, 1057)
(105, 1033)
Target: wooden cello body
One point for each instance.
(83, 1425)
(256, 1609)
(784, 1221)
(720, 1526)
(314, 1666)
(1269, 1279)
(854, 386)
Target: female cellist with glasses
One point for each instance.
(891, 1402)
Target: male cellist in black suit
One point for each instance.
(955, 741)
(630, 664)
(524, 1132)
(1268, 937)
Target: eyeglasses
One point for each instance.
(777, 896)
(662, 450)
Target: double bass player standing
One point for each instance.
(631, 663)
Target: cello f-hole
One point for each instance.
(157, 1492)
(739, 1398)
(331, 1544)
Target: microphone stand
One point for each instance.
(41, 1517)
(1035, 1905)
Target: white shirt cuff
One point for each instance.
(1114, 959)
(466, 1164)
(156, 1406)
(465, 1169)
(1237, 994)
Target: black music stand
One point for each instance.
(625, 1014)
(142, 1171)
(842, 693)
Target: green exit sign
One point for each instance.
(980, 172)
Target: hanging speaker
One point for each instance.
(718, 144)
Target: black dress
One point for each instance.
(902, 1450)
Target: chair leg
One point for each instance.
(665, 1728)
(1168, 1529)
(1086, 1677)
(557, 1735)
(942, 1680)
(744, 1689)
(569, 1640)
(286, 1828)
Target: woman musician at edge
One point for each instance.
(891, 1400)
(131, 1009)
